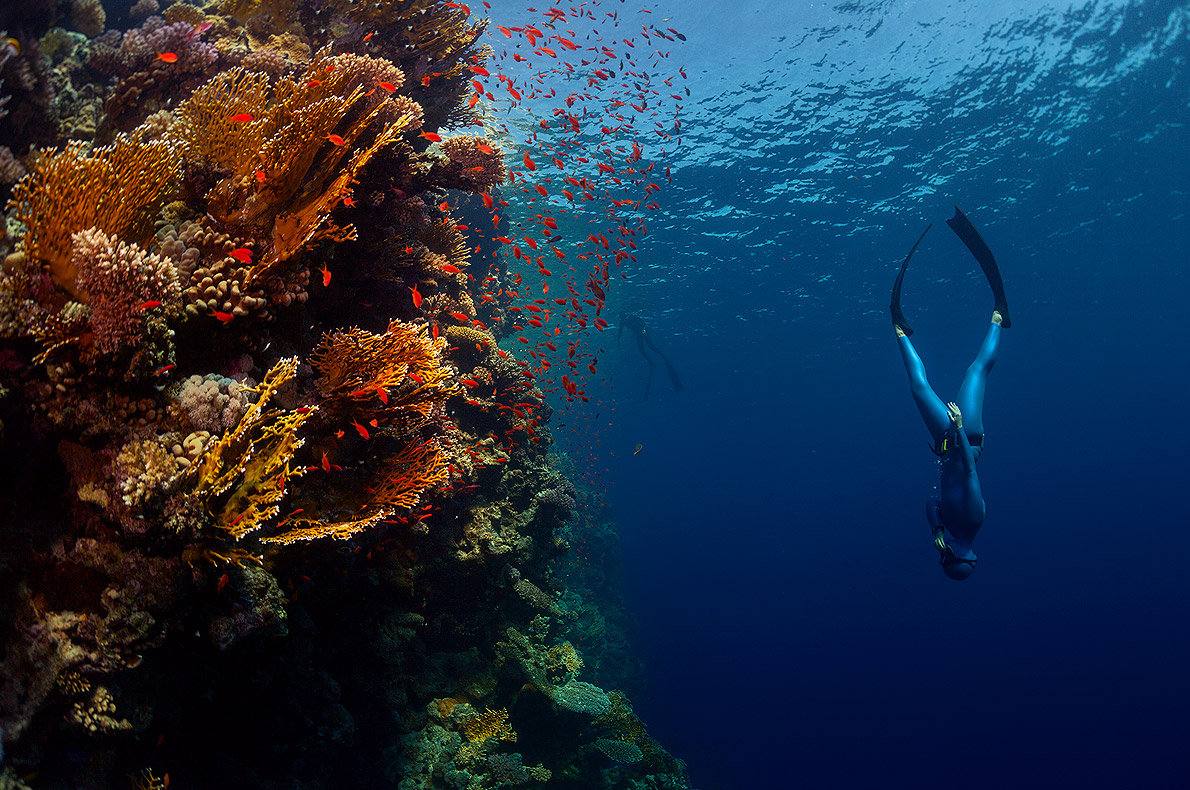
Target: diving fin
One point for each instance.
(979, 248)
(898, 318)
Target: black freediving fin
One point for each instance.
(673, 374)
(898, 318)
(979, 248)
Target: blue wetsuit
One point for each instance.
(959, 508)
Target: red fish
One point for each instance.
(150, 305)
(529, 162)
(388, 86)
(326, 276)
(165, 369)
(167, 57)
(223, 580)
(449, 269)
(484, 149)
(335, 139)
(243, 117)
(242, 254)
(433, 138)
(361, 429)
(224, 317)
(416, 297)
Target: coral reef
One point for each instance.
(271, 489)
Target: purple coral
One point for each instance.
(119, 279)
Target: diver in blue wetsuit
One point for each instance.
(955, 515)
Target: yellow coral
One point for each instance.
(492, 724)
(117, 189)
(241, 478)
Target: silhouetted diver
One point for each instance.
(636, 325)
(955, 515)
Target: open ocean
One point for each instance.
(795, 627)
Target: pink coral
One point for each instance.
(118, 280)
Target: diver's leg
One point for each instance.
(933, 410)
(971, 392)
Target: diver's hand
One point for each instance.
(956, 416)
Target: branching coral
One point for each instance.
(117, 280)
(241, 478)
(398, 374)
(116, 189)
(488, 725)
(286, 148)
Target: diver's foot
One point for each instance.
(997, 319)
(900, 332)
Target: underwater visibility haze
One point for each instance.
(422, 394)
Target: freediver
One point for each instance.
(957, 513)
(636, 325)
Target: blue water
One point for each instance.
(794, 623)
(796, 627)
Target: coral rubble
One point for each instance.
(254, 505)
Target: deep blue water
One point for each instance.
(795, 625)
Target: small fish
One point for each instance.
(639, 447)
(487, 201)
(374, 423)
(481, 71)
(416, 297)
(260, 176)
(361, 429)
(243, 117)
(469, 382)
(149, 305)
(433, 138)
(369, 36)
(388, 86)
(484, 149)
(417, 378)
(326, 464)
(326, 276)
(167, 57)
(382, 394)
(242, 254)
(313, 83)
(335, 139)
(224, 317)
(449, 269)
(529, 162)
(461, 317)
(223, 580)
(444, 206)
(349, 202)
(165, 369)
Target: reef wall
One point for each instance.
(277, 510)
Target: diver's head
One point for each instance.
(957, 568)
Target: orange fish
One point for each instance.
(374, 423)
(484, 149)
(326, 276)
(487, 201)
(481, 71)
(369, 36)
(387, 86)
(449, 269)
(168, 57)
(433, 138)
(224, 317)
(326, 464)
(529, 162)
(242, 254)
(260, 176)
(335, 139)
(223, 580)
(241, 118)
(382, 394)
(460, 317)
(416, 297)
(313, 83)
(362, 430)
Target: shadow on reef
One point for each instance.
(278, 512)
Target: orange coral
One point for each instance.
(293, 149)
(116, 189)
